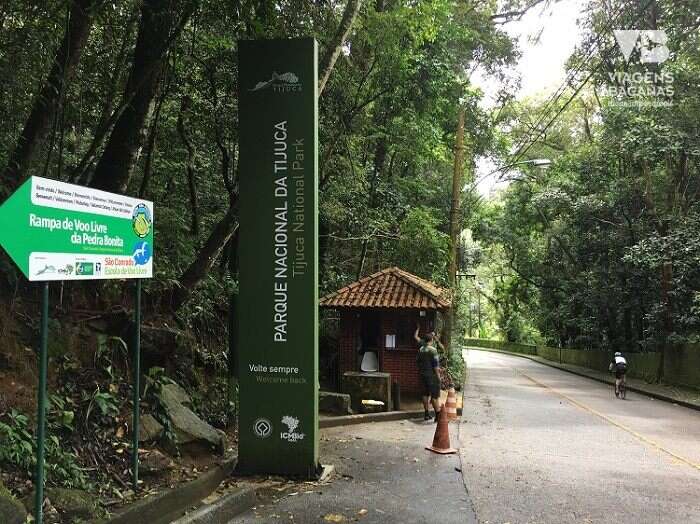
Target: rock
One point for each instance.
(154, 463)
(336, 403)
(51, 514)
(171, 394)
(71, 504)
(150, 430)
(189, 430)
(11, 510)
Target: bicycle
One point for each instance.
(622, 390)
(618, 372)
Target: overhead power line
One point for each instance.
(523, 148)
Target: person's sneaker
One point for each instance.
(426, 416)
(617, 393)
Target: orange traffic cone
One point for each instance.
(451, 404)
(441, 441)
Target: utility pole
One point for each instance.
(457, 172)
(471, 322)
(666, 282)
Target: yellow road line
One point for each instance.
(636, 435)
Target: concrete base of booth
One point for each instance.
(367, 386)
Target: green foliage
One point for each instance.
(155, 380)
(105, 402)
(455, 369)
(422, 248)
(216, 402)
(583, 245)
(18, 450)
(17, 446)
(111, 351)
(61, 412)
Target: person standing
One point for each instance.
(428, 363)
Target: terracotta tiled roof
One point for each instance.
(390, 288)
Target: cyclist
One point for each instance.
(619, 366)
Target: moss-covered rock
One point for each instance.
(72, 505)
(11, 510)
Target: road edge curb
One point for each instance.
(164, 507)
(386, 416)
(224, 509)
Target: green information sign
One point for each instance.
(278, 298)
(58, 231)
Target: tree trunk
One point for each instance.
(336, 46)
(666, 283)
(380, 153)
(48, 100)
(197, 270)
(457, 172)
(221, 234)
(158, 27)
(151, 145)
(363, 258)
(108, 116)
(189, 167)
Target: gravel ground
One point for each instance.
(383, 475)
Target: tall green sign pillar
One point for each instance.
(277, 340)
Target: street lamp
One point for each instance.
(540, 162)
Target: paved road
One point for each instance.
(383, 476)
(540, 445)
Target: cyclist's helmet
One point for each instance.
(618, 354)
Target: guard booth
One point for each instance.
(378, 315)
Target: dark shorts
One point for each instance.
(620, 371)
(431, 386)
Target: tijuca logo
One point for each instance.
(280, 83)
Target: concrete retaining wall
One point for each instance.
(505, 346)
(682, 365)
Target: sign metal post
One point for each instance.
(41, 404)
(55, 231)
(137, 386)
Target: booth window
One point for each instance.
(405, 328)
